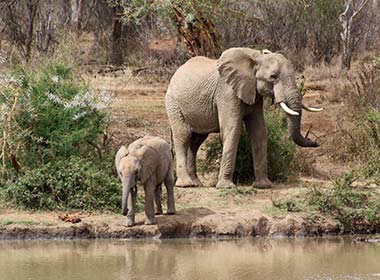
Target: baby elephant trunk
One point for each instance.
(128, 184)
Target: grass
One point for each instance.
(4, 223)
(356, 208)
(274, 211)
(238, 191)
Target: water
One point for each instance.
(283, 259)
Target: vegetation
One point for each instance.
(55, 151)
(362, 144)
(54, 142)
(281, 153)
(238, 191)
(356, 208)
(309, 30)
(370, 146)
(66, 184)
(47, 115)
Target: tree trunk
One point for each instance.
(78, 27)
(117, 27)
(347, 20)
(76, 15)
(32, 6)
(199, 34)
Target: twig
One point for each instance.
(308, 131)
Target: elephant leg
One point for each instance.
(169, 183)
(230, 134)
(130, 219)
(196, 142)
(149, 188)
(257, 132)
(157, 200)
(182, 139)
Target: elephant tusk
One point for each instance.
(311, 109)
(288, 110)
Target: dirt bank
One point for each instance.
(201, 212)
(192, 222)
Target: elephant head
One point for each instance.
(250, 72)
(137, 163)
(128, 167)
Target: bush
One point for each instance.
(354, 208)
(72, 183)
(47, 114)
(53, 142)
(281, 153)
(67, 184)
(363, 139)
(370, 145)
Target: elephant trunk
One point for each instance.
(128, 183)
(294, 101)
(294, 126)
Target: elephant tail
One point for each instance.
(171, 143)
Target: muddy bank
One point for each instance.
(188, 223)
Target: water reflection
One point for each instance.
(310, 259)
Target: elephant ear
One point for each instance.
(237, 67)
(121, 153)
(148, 162)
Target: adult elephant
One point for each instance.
(207, 95)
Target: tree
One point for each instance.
(77, 15)
(348, 19)
(198, 32)
(192, 19)
(19, 19)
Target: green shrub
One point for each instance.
(281, 153)
(46, 114)
(369, 151)
(363, 142)
(355, 208)
(72, 183)
(67, 184)
(53, 152)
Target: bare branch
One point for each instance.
(357, 12)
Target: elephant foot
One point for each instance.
(151, 221)
(158, 212)
(129, 222)
(171, 212)
(226, 184)
(262, 184)
(196, 181)
(187, 182)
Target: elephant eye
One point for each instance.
(273, 76)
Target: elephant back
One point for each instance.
(155, 155)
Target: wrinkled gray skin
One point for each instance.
(206, 96)
(148, 160)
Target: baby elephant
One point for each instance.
(148, 160)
